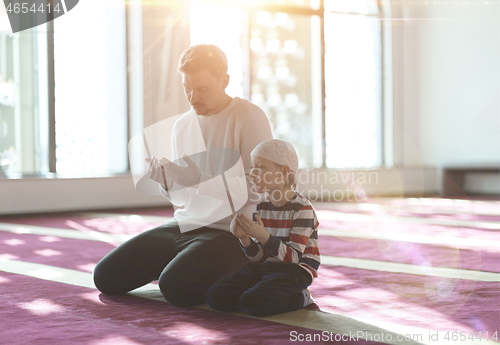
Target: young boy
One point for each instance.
(284, 250)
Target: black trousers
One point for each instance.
(261, 289)
(186, 265)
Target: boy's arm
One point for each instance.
(255, 252)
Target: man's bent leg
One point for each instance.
(138, 261)
(204, 257)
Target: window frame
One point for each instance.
(49, 169)
(320, 12)
(250, 10)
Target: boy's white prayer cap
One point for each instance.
(278, 151)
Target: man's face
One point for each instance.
(205, 92)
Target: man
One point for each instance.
(196, 249)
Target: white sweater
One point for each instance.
(240, 126)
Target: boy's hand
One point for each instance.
(238, 232)
(236, 229)
(252, 229)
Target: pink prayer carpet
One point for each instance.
(460, 240)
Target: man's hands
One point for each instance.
(244, 225)
(185, 176)
(156, 172)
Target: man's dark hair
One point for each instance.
(203, 57)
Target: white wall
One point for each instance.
(38, 195)
(452, 86)
(35, 195)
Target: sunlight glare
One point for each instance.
(222, 26)
(21, 230)
(4, 280)
(45, 273)
(41, 307)
(49, 239)
(87, 267)
(114, 339)
(14, 242)
(47, 252)
(7, 257)
(194, 334)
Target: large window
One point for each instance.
(286, 78)
(223, 26)
(314, 67)
(22, 99)
(353, 78)
(91, 89)
(63, 93)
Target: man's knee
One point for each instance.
(103, 282)
(180, 293)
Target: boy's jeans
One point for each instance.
(261, 289)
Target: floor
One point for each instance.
(394, 271)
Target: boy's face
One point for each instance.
(266, 175)
(205, 92)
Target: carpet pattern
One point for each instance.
(394, 271)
